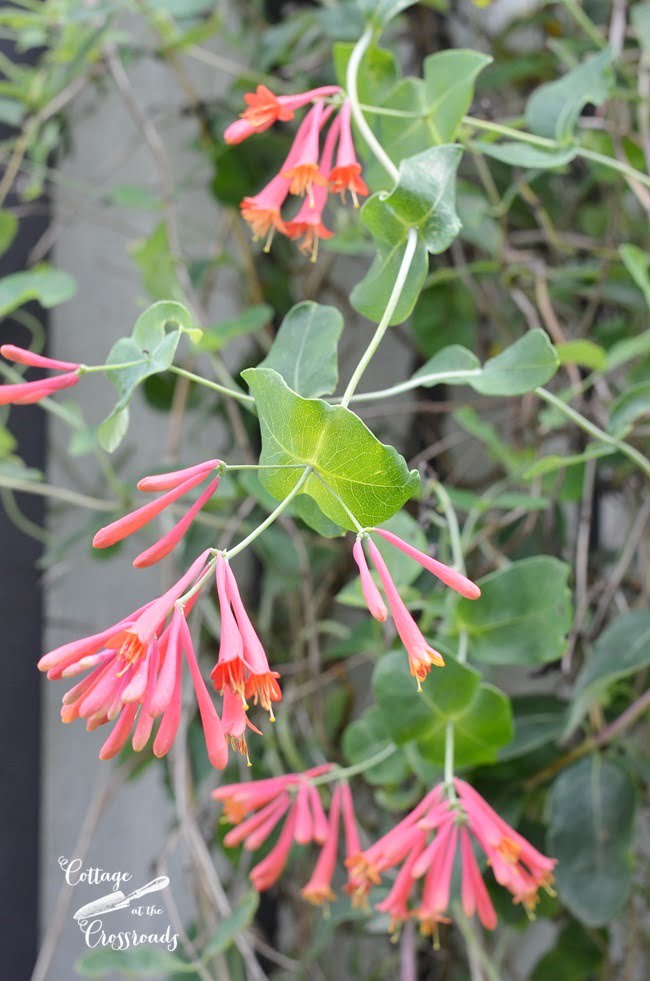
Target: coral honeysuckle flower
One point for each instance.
(371, 593)
(235, 722)
(231, 669)
(346, 175)
(179, 483)
(302, 171)
(262, 211)
(516, 864)
(260, 682)
(136, 676)
(422, 657)
(258, 807)
(319, 888)
(455, 580)
(308, 223)
(263, 108)
(25, 393)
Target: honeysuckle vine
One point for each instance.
(432, 727)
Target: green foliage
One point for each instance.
(524, 613)
(48, 286)
(593, 808)
(371, 479)
(149, 350)
(305, 350)
(552, 111)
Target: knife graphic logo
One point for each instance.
(117, 900)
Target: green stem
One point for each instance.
(232, 552)
(56, 493)
(384, 323)
(439, 378)
(85, 369)
(263, 466)
(613, 164)
(345, 772)
(352, 73)
(514, 134)
(215, 386)
(630, 452)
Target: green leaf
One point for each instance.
(43, 283)
(248, 321)
(523, 615)
(529, 362)
(154, 348)
(637, 264)
(622, 650)
(409, 714)
(425, 196)
(113, 429)
(631, 405)
(553, 109)
(305, 350)
(370, 296)
(238, 920)
(449, 78)
(137, 962)
(479, 731)
(453, 365)
(155, 261)
(582, 352)
(370, 478)
(592, 807)
(524, 155)
(367, 736)
(308, 511)
(640, 17)
(133, 196)
(537, 720)
(8, 229)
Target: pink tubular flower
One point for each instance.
(346, 175)
(371, 593)
(135, 676)
(449, 576)
(421, 655)
(235, 721)
(451, 822)
(25, 393)
(179, 483)
(260, 683)
(319, 888)
(308, 223)
(231, 669)
(258, 807)
(302, 171)
(263, 108)
(262, 211)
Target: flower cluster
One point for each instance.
(257, 808)
(307, 171)
(516, 864)
(427, 844)
(135, 666)
(422, 657)
(24, 393)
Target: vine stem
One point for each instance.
(461, 655)
(629, 451)
(428, 381)
(345, 772)
(215, 386)
(352, 74)
(384, 323)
